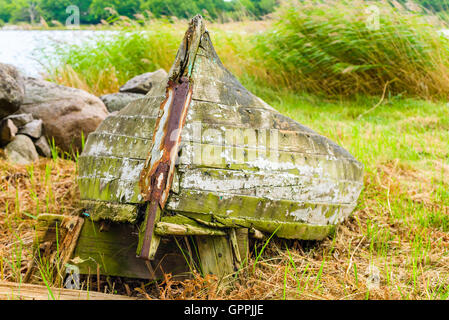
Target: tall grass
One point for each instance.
(103, 65)
(336, 48)
(354, 46)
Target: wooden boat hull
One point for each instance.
(241, 164)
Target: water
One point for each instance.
(26, 48)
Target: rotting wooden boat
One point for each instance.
(201, 156)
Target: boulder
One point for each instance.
(42, 147)
(65, 112)
(11, 90)
(7, 131)
(117, 101)
(32, 129)
(21, 150)
(20, 119)
(143, 83)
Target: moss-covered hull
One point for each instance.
(241, 163)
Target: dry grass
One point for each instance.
(374, 254)
(46, 186)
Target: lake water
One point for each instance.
(26, 48)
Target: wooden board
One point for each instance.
(114, 250)
(17, 291)
(216, 255)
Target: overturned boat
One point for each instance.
(201, 156)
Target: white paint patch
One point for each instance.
(99, 148)
(309, 215)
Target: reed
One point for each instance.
(357, 47)
(332, 48)
(102, 66)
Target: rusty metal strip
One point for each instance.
(157, 175)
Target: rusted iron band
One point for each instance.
(157, 176)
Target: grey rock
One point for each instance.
(32, 129)
(11, 90)
(144, 82)
(7, 131)
(43, 147)
(21, 119)
(66, 112)
(21, 150)
(117, 101)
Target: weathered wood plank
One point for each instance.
(236, 158)
(216, 255)
(117, 212)
(215, 156)
(273, 185)
(117, 190)
(244, 116)
(133, 126)
(279, 185)
(247, 133)
(243, 244)
(105, 144)
(114, 250)
(25, 291)
(110, 167)
(184, 226)
(147, 106)
(258, 210)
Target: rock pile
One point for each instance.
(134, 89)
(34, 111)
(22, 137)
